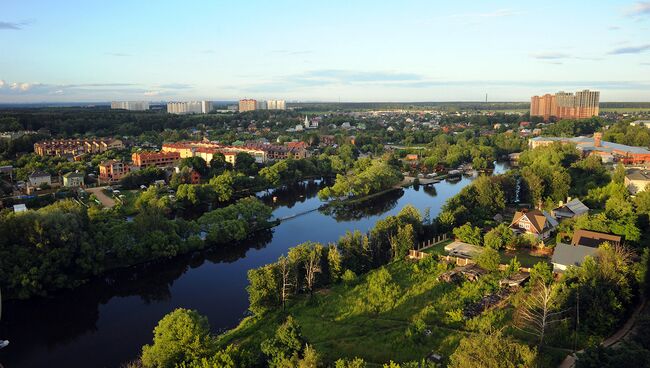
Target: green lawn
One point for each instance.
(523, 256)
(438, 249)
(335, 321)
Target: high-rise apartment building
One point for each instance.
(247, 105)
(260, 105)
(130, 105)
(276, 105)
(565, 105)
(190, 107)
(206, 107)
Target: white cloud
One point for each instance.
(2, 83)
(152, 93)
(642, 8)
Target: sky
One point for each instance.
(351, 50)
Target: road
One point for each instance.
(101, 196)
(570, 360)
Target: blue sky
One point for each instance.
(353, 50)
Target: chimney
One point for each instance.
(597, 139)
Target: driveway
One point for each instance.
(102, 197)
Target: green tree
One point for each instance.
(541, 272)
(492, 350)
(381, 292)
(403, 241)
(263, 289)
(244, 162)
(181, 336)
(223, 185)
(498, 237)
(285, 345)
(489, 259)
(334, 263)
(468, 234)
(350, 363)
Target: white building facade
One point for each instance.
(276, 105)
(189, 107)
(130, 105)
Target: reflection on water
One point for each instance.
(358, 210)
(105, 322)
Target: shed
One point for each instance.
(463, 250)
(20, 208)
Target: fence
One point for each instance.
(458, 261)
(431, 242)
(416, 254)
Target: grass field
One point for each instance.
(523, 257)
(335, 321)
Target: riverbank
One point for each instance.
(129, 302)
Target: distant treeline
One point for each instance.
(445, 106)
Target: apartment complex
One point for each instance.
(157, 159)
(565, 105)
(250, 105)
(276, 105)
(112, 170)
(247, 105)
(74, 147)
(207, 150)
(130, 105)
(189, 107)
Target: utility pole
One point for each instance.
(575, 337)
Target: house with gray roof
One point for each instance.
(38, 178)
(565, 256)
(574, 207)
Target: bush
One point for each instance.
(181, 336)
(489, 259)
(349, 277)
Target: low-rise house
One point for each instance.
(636, 180)
(566, 255)
(73, 180)
(39, 178)
(157, 159)
(593, 239)
(574, 207)
(535, 222)
(112, 170)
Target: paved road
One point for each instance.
(99, 193)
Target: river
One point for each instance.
(105, 322)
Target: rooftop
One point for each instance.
(572, 255)
(588, 144)
(638, 174)
(593, 239)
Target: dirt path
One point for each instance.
(570, 360)
(103, 198)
